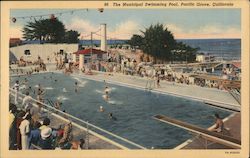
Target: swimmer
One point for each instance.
(57, 104)
(101, 109)
(55, 80)
(106, 91)
(25, 83)
(76, 87)
(112, 117)
(64, 90)
(106, 85)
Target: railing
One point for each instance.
(236, 94)
(78, 121)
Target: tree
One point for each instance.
(71, 36)
(159, 43)
(135, 41)
(47, 30)
(184, 52)
(155, 41)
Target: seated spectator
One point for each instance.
(46, 123)
(78, 145)
(46, 141)
(57, 134)
(219, 125)
(34, 135)
(67, 135)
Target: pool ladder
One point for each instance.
(51, 103)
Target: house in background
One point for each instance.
(88, 55)
(201, 57)
(30, 52)
(15, 42)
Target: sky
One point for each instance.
(123, 23)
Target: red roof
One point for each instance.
(15, 40)
(237, 64)
(88, 51)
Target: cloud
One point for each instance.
(206, 31)
(82, 26)
(125, 30)
(174, 28)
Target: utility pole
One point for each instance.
(91, 49)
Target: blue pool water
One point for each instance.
(133, 109)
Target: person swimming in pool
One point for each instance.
(76, 87)
(25, 83)
(106, 93)
(101, 109)
(106, 90)
(112, 117)
(106, 96)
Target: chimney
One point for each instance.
(103, 37)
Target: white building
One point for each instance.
(89, 55)
(30, 52)
(200, 58)
(204, 58)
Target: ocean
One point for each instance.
(228, 49)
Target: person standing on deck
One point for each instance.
(25, 130)
(16, 88)
(40, 93)
(58, 105)
(158, 80)
(27, 101)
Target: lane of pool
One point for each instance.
(133, 109)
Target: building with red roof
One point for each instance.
(15, 42)
(87, 55)
(89, 51)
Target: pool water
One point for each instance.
(133, 109)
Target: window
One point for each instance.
(27, 52)
(61, 51)
(87, 56)
(77, 57)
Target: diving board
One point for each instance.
(209, 135)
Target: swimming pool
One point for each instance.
(133, 109)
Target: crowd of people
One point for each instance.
(28, 130)
(29, 126)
